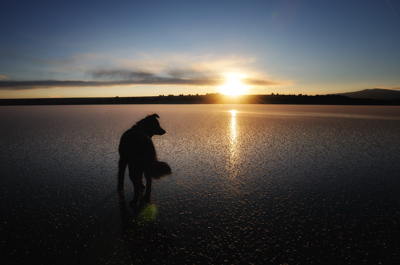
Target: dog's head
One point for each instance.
(151, 125)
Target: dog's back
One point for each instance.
(136, 144)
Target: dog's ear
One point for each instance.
(154, 116)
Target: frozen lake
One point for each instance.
(251, 184)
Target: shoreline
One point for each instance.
(215, 98)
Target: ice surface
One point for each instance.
(250, 184)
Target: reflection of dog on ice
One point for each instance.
(137, 151)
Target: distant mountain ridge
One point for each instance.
(375, 93)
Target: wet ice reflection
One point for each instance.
(233, 127)
(233, 152)
(233, 140)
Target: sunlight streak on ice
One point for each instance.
(233, 144)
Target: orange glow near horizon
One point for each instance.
(233, 85)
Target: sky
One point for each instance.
(156, 47)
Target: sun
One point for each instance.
(233, 85)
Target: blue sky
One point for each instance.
(146, 48)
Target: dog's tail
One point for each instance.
(159, 170)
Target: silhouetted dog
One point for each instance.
(136, 149)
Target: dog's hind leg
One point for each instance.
(121, 173)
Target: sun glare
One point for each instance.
(233, 85)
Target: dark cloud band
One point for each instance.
(122, 77)
(261, 82)
(120, 74)
(48, 84)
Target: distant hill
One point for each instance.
(375, 93)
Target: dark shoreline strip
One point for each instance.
(214, 98)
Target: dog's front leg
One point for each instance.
(135, 174)
(137, 189)
(148, 187)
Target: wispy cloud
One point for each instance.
(2, 77)
(169, 69)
